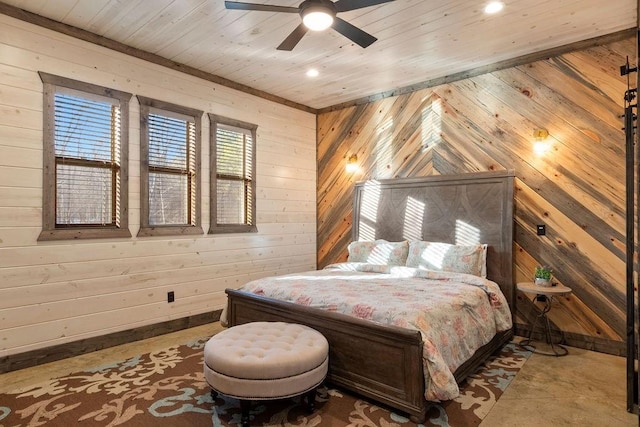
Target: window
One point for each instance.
(169, 169)
(233, 183)
(85, 160)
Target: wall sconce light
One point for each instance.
(352, 164)
(540, 133)
(541, 145)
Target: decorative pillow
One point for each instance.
(379, 252)
(447, 257)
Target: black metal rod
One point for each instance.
(630, 249)
(636, 346)
(636, 318)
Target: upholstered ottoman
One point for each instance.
(266, 360)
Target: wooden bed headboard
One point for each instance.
(461, 209)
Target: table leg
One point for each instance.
(556, 348)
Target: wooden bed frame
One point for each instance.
(384, 362)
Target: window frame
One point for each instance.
(214, 227)
(146, 107)
(52, 85)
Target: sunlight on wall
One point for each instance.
(369, 211)
(467, 234)
(431, 125)
(413, 214)
(366, 231)
(384, 150)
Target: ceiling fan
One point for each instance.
(317, 15)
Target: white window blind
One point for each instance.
(234, 175)
(87, 149)
(172, 168)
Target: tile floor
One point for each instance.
(582, 389)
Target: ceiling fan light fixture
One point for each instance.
(317, 18)
(317, 15)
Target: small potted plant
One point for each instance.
(543, 276)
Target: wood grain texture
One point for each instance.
(420, 43)
(465, 209)
(51, 85)
(351, 342)
(58, 292)
(486, 122)
(456, 209)
(63, 351)
(193, 224)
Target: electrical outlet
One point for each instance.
(542, 229)
(171, 297)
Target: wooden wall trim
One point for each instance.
(601, 345)
(81, 34)
(90, 37)
(76, 348)
(508, 63)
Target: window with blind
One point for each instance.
(170, 168)
(233, 176)
(85, 160)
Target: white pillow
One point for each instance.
(440, 256)
(379, 252)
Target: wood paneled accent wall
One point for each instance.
(53, 293)
(486, 123)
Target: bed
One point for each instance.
(385, 361)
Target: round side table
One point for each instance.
(547, 293)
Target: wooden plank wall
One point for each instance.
(486, 123)
(57, 292)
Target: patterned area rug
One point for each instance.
(168, 388)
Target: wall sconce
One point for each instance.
(352, 164)
(541, 146)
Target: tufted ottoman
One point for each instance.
(266, 360)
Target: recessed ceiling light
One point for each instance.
(493, 7)
(312, 72)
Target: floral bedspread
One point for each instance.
(455, 313)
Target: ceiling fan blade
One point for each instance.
(292, 40)
(347, 5)
(262, 7)
(352, 32)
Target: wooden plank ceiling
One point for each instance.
(418, 40)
